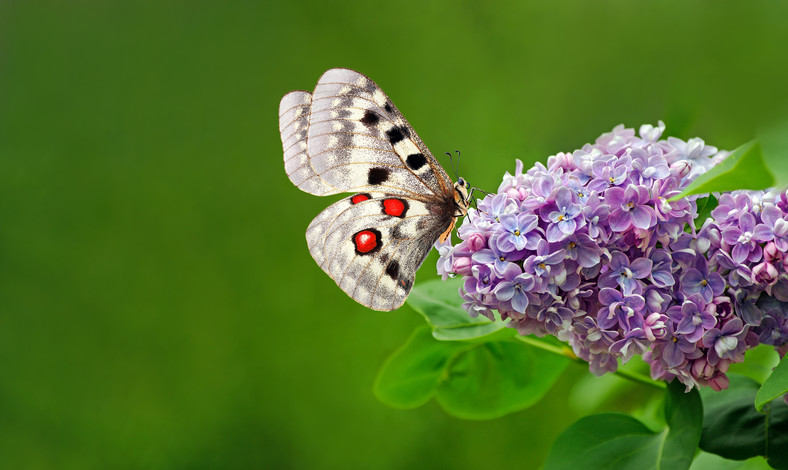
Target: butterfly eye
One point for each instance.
(461, 181)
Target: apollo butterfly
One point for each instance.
(348, 137)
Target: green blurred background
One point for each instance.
(159, 305)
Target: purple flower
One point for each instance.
(774, 227)
(581, 249)
(544, 263)
(563, 220)
(676, 350)
(481, 282)
(691, 319)
(726, 342)
(661, 274)
(743, 239)
(699, 280)
(629, 208)
(496, 257)
(626, 311)
(773, 331)
(514, 287)
(519, 232)
(596, 215)
(625, 274)
(608, 172)
(650, 167)
(499, 205)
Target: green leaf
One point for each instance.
(684, 415)
(706, 461)
(441, 306)
(472, 380)
(758, 364)
(734, 429)
(616, 441)
(498, 377)
(775, 386)
(705, 206)
(745, 168)
(410, 376)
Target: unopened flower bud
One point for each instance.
(681, 168)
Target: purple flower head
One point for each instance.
(519, 232)
(588, 249)
(629, 208)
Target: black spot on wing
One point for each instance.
(406, 284)
(378, 175)
(392, 270)
(389, 109)
(416, 161)
(370, 119)
(397, 134)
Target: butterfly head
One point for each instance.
(462, 193)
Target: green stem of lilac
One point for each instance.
(567, 352)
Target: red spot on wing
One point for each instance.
(365, 241)
(394, 207)
(359, 198)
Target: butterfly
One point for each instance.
(348, 137)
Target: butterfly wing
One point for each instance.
(372, 244)
(348, 136)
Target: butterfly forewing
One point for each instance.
(357, 140)
(372, 244)
(293, 125)
(348, 137)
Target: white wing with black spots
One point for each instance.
(347, 136)
(372, 244)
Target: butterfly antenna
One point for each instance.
(453, 168)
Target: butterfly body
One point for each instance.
(348, 137)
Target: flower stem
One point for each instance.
(567, 352)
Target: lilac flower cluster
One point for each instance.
(589, 249)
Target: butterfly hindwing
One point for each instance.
(355, 140)
(372, 244)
